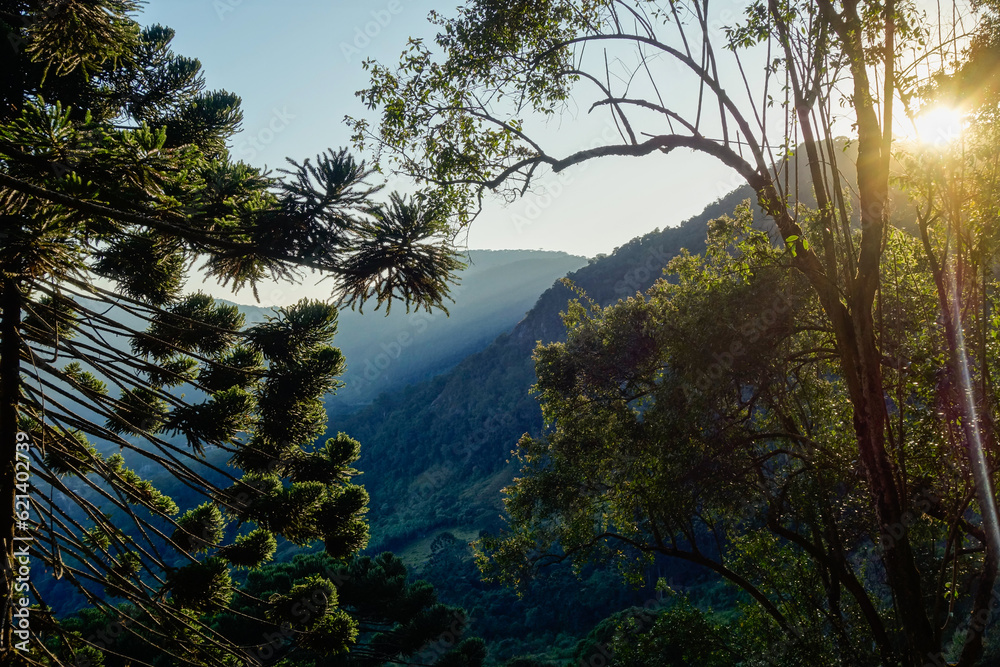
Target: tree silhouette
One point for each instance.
(115, 180)
(747, 90)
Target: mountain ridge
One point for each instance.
(421, 443)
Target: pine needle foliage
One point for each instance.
(115, 384)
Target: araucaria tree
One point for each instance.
(115, 180)
(750, 89)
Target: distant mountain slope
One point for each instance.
(386, 352)
(435, 458)
(495, 292)
(435, 454)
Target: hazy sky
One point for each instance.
(297, 65)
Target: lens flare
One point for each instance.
(938, 125)
(970, 423)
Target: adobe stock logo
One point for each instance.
(253, 144)
(363, 35)
(375, 366)
(223, 7)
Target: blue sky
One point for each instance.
(297, 65)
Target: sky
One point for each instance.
(297, 67)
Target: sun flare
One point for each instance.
(937, 125)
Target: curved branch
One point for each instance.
(199, 240)
(662, 143)
(710, 82)
(648, 105)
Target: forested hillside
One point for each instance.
(496, 290)
(783, 454)
(435, 454)
(388, 351)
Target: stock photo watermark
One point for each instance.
(750, 332)
(363, 35)
(254, 143)
(447, 640)
(638, 276)
(223, 7)
(393, 348)
(20, 566)
(550, 191)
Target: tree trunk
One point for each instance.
(10, 393)
(850, 309)
(859, 351)
(897, 554)
(861, 367)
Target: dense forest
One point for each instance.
(764, 436)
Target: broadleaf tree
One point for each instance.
(116, 181)
(753, 89)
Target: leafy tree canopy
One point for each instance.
(748, 90)
(708, 422)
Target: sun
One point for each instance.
(936, 125)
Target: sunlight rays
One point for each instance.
(936, 125)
